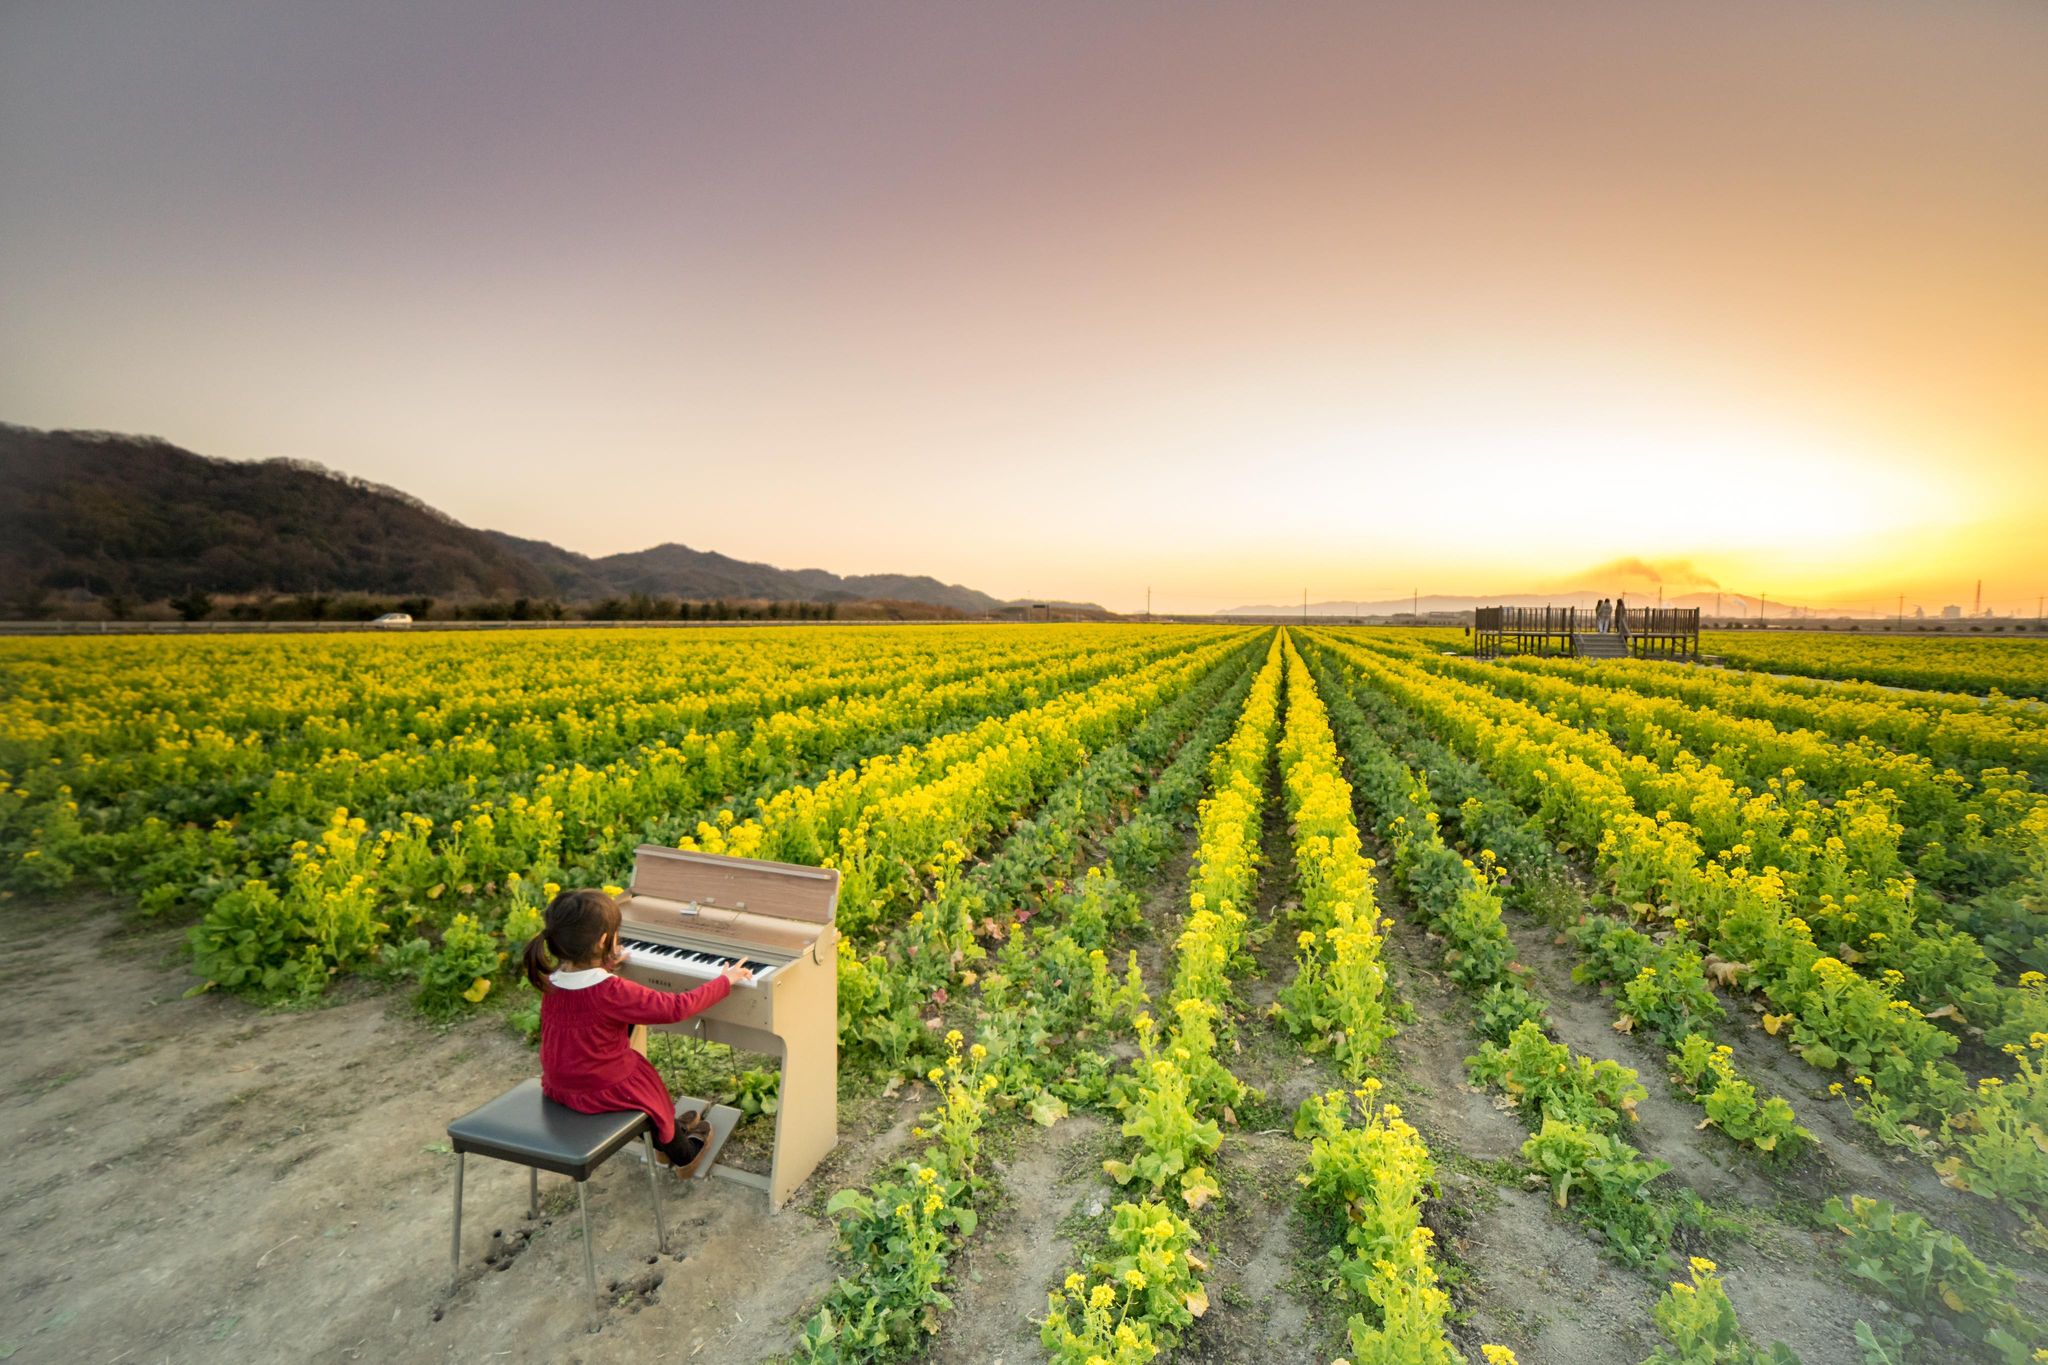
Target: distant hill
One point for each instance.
(139, 518)
(1731, 604)
(678, 571)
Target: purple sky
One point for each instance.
(1069, 299)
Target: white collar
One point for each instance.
(578, 980)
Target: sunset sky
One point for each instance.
(1068, 300)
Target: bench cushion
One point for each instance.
(525, 1126)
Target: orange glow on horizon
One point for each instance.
(1060, 301)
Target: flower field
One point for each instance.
(1386, 1005)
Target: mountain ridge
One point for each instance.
(138, 518)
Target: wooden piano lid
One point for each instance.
(788, 891)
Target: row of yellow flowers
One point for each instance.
(1337, 999)
(1947, 729)
(1574, 1105)
(1040, 997)
(1978, 836)
(1180, 1091)
(2000, 668)
(898, 823)
(1368, 1168)
(275, 936)
(1994, 1137)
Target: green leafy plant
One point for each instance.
(1707, 1071)
(1607, 1182)
(900, 1232)
(1504, 1007)
(1172, 1141)
(1923, 1268)
(1369, 1168)
(461, 969)
(1699, 1323)
(1549, 1081)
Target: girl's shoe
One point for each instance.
(691, 1142)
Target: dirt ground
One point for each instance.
(194, 1180)
(197, 1180)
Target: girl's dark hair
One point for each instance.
(577, 922)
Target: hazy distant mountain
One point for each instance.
(141, 518)
(1731, 604)
(678, 571)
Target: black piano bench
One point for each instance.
(525, 1127)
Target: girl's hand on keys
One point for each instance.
(735, 973)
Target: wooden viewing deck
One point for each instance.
(1639, 632)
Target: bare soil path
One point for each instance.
(1263, 1305)
(1532, 1281)
(195, 1180)
(1021, 1250)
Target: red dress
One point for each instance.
(586, 1061)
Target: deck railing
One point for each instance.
(1658, 632)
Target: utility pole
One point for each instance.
(1148, 603)
(1415, 604)
(1717, 604)
(1304, 606)
(1902, 611)
(1978, 608)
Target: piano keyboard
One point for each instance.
(667, 957)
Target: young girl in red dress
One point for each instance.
(587, 1018)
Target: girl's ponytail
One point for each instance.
(536, 961)
(578, 922)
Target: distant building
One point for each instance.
(1919, 613)
(1951, 613)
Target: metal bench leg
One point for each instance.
(589, 1264)
(455, 1251)
(533, 1191)
(654, 1188)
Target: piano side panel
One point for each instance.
(807, 1119)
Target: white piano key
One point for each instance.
(689, 962)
